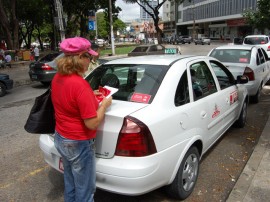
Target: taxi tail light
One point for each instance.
(249, 73)
(135, 139)
(268, 48)
(46, 67)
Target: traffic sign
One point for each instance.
(91, 25)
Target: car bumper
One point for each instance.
(9, 84)
(252, 87)
(126, 175)
(44, 77)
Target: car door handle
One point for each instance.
(203, 114)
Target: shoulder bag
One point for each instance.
(41, 118)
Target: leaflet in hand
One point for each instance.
(105, 91)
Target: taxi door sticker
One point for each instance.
(216, 111)
(233, 97)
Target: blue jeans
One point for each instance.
(79, 168)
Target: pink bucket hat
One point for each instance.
(76, 46)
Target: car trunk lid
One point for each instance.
(108, 131)
(236, 69)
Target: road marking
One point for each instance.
(32, 173)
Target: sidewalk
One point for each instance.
(253, 185)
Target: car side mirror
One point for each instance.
(242, 79)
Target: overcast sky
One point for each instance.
(129, 11)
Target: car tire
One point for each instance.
(186, 177)
(241, 121)
(3, 89)
(195, 43)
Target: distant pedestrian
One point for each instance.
(8, 58)
(36, 53)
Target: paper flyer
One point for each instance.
(105, 91)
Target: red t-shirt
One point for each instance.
(73, 101)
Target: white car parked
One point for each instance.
(259, 40)
(248, 60)
(169, 110)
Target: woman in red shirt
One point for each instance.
(78, 115)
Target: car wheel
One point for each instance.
(186, 177)
(256, 98)
(241, 122)
(3, 89)
(195, 43)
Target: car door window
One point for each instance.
(182, 91)
(260, 57)
(225, 78)
(264, 53)
(203, 83)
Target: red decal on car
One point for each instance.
(243, 60)
(233, 97)
(139, 97)
(216, 112)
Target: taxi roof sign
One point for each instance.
(171, 50)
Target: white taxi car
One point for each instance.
(249, 60)
(169, 110)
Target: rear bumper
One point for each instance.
(252, 87)
(44, 77)
(9, 84)
(127, 175)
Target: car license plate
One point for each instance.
(34, 76)
(61, 166)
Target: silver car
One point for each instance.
(248, 60)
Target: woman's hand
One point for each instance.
(106, 102)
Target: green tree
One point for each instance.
(35, 21)
(103, 32)
(154, 11)
(9, 23)
(259, 18)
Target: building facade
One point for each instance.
(217, 19)
(169, 28)
(143, 14)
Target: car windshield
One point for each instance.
(134, 82)
(232, 55)
(256, 40)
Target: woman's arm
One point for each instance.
(93, 123)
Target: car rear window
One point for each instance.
(140, 49)
(232, 55)
(49, 57)
(256, 40)
(135, 83)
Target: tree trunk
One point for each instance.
(5, 25)
(15, 25)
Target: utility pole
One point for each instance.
(59, 10)
(111, 25)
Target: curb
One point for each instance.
(253, 183)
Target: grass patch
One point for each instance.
(118, 50)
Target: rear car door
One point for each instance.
(208, 102)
